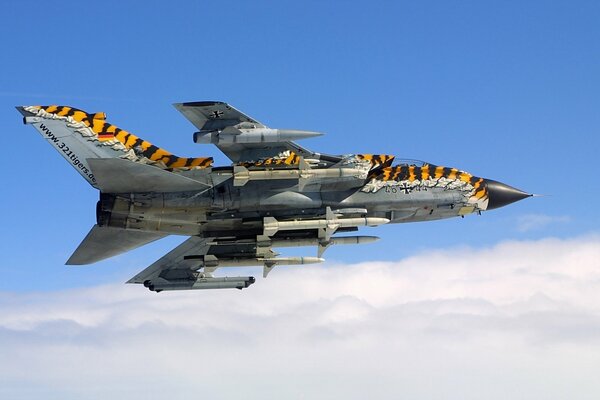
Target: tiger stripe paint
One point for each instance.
(377, 160)
(411, 173)
(105, 131)
(427, 171)
(430, 175)
(291, 159)
(439, 172)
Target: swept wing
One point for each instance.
(191, 264)
(242, 138)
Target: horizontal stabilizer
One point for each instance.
(104, 242)
(116, 175)
(174, 262)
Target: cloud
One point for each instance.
(532, 222)
(518, 320)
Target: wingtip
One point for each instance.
(76, 260)
(22, 110)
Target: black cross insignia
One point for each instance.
(216, 114)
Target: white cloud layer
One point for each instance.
(520, 320)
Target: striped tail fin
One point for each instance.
(79, 136)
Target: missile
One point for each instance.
(241, 174)
(210, 261)
(271, 226)
(232, 262)
(343, 240)
(231, 135)
(321, 244)
(265, 241)
(236, 282)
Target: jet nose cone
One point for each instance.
(500, 194)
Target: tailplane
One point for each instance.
(103, 242)
(79, 136)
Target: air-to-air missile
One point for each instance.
(212, 261)
(327, 225)
(342, 240)
(275, 194)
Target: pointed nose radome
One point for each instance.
(500, 194)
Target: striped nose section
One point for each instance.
(500, 194)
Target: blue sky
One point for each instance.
(504, 90)
(503, 305)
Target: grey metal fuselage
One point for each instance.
(225, 207)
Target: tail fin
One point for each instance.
(79, 136)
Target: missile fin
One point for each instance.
(329, 215)
(263, 246)
(322, 246)
(303, 177)
(303, 165)
(322, 233)
(241, 176)
(267, 269)
(270, 226)
(263, 240)
(332, 226)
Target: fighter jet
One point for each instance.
(274, 194)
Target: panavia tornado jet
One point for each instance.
(274, 194)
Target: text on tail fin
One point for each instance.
(94, 127)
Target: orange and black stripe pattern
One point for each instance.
(377, 160)
(413, 173)
(105, 131)
(291, 159)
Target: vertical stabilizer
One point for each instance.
(79, 136)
